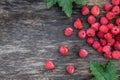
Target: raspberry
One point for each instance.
(107, 7)
(103, 20)
(117, 45)
(118, 37)
(95, 26)
(63, 50)
(108, 36)
(104, 28)
(68, 31)
(100, 49)
(111, 42)
(115, 54)
(49, 65)
(116, 10)
(108, 55)
(78, 24)
(90, 32)
(85, 10)
(90, 40)
(83, 53)
(82, 34)
(70, 69)
(95, 10)
(103, 42)
(91, 19)
(118, 21)
(115, 30)
(96, 45)
(100, 35)
(106, 48)
(115, 2)
(110, 15)
(110, 25)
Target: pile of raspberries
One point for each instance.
(107, 34)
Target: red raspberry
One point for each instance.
(91, 19)
(110, 15)
(111, 42)
(95, 26)
(118, 21)
(108, 55)
(96, 45)
(115, 30)
(100, 49)
(115, 2)
(104, 28)
(110, 25)
(90, 32)
(63, 50)
(118, 37)
(106, 48)
(83, 53)
(78, 24)
(100, 35)
(108, 36)
(90, 40)
(95, 10)
(70, 69)
(103, 20)
(82, 34)
(115, 54)
(68, 31)
(85, 10)
(117, 45)
(49, 65)
(103, 42)
(107, 7)
(116, 10)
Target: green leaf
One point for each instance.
(50, 3)
(102, 72)
(80, 2)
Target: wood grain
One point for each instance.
(30, 34)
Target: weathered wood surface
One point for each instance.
(30, 34)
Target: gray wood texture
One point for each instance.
(30, 34)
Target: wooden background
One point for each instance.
(30, 34)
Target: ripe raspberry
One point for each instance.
(68, 31)
(118, 21)
(116, 10)
(91, 19)
(96, 45)
(107, 7)
(78, 24)
(49, 65)
(115, 2)
(100, 35)
(103, 20)
(104, 28)
(63, 50)
(90, 32)
(108, 36)
(118, 37)
(117, 45)
(95, 26)
(103, 42)
(108, 55)
(110, 15)
(85, 10)
(100, 49)
(115, 54)
(83, 53)
(106, 48)
(90, 40)
(111, 42)
(70, 69)
(95, 10)
(115, 30)
(82, 34)
(110, 25)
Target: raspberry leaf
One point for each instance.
(80, 2)
(50, 3)
(102, 72)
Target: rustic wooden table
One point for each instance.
(30, 34)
